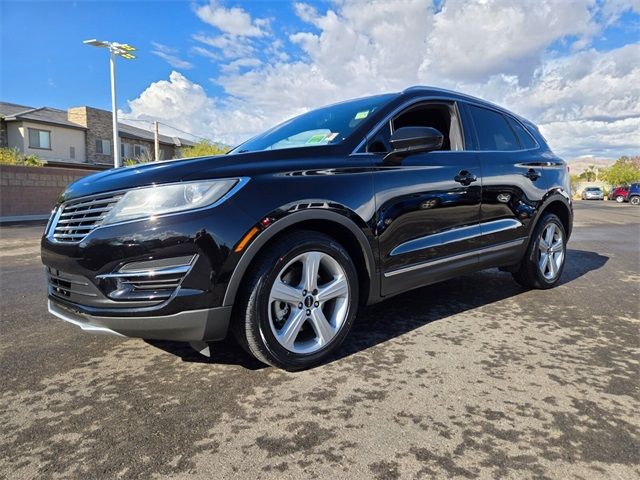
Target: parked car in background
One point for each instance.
(592, 193)
(619, 194)
(283, 238)
(634, 194)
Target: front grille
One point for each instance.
(79, 218)
(69, 286)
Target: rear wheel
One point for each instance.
(299, 301)
(620, 199)
(544, 261)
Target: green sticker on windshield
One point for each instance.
(361, 115)
(317, 138)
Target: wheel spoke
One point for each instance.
(310, 268)
(285, 293)
(289, 332)
(324, 331)
(544, 261)
(553, 267)
(337, 288)
(549, 233)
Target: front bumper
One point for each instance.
(208, 324)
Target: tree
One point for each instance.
(575, 182)
(590, 174)
(204, 148)
(624, 171)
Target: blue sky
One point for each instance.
(226, 69)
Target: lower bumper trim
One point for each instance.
(209, 324)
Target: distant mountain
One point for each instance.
(580, 164)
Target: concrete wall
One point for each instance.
(27, 191)
(61, 140)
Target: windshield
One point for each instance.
(324, 126)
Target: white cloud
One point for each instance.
(170, 55)
(508, 52)
(228, 46)
(234, 21)
(473, 40)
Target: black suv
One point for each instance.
(281, 239)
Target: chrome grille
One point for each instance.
(79, 218)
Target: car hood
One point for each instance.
(171, 171)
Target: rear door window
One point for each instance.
(494, 132)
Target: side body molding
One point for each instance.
(292, 219)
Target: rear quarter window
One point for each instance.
(493, 130)
(526, 140)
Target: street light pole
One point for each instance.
(122, 50)
(114, 109)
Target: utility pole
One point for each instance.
(156, 141)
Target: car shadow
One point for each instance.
(403, 313)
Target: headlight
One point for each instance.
(163, 199)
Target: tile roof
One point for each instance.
(9, 109)
(129, 131)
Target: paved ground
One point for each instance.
(472, 378)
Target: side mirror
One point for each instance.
(408, 140)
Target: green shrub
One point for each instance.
(12, 156)
(204, 148)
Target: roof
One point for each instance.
(428, 90)
(13, 112)
(8, 109)
(129, 131)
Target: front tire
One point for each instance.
(543, 263)
(634, 200)
(298, 302)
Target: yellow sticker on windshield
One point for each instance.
(317, 138)
(361, 115)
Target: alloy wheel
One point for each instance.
(620, 199)
(551, 251)
(308, 302)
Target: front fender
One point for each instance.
(345, 218)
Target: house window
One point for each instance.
(39, 138)
(125, 150)
(103, 146)
(139, 150)
(72, 152)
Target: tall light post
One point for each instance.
(121, 50)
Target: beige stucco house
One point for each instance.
(80, 135)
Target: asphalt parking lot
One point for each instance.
(471, 378)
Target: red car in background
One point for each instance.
(619, 194)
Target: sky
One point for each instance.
(226, 70)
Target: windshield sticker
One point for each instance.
(361, 115)
(331, 136)
(317, 138)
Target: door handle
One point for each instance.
(532, 174)
(465, 178)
